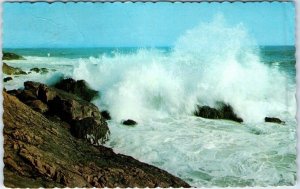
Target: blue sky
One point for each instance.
(137, 24)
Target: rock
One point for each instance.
(224, 111)
(14, 92)
(35, 156)
(94, 130)
(9, 70)
(6, 79)
(79, 88)
(38, 106)
(11, 56)
(207, 112)
(274, 120)
(39, 70)
(26, 95)
(105, 114)
(129, 122)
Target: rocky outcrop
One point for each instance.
(9, 70)
(79, 88)
(224, 111)
(39, 152)
(11, 56)
(274, 120)
(68, 107)
(106, 115)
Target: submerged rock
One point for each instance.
(274, 120)
(129, 122)
(11, 56)
(41, 153)
(105, 114)
(6, 79)
(225, 111)
(39, 70)
(79, 88)
(9, 70)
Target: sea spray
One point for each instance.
(211, 63)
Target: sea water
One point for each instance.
(159, 87)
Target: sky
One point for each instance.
(137, 24)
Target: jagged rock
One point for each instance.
(41, 153)
(105, 114)
(79, 88)
(94, 130)
(9, 70)
(11, 56)
(6, 79)
(26, 95)
(129, 122)
(224, 111)
(274, 120)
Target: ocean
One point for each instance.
(160, 88)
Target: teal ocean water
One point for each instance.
(160, 88)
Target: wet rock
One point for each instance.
(129, 122)
(14, 92)
(6, 79)
(39, 70)
(11, 56)
(105, 114)
(274, 120)
(9, 70)
(79, 88)
(26, 95)
(94, 130)
(224, 111)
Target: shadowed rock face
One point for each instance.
(42, 153)
(225, 111)
(79, 88)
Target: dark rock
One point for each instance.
(6, 79)
(79, 88)
(9, 70)
(14, 92)
(41, 153)
(224, 111)
(38, 106)
(37, 70)
(129, 122)
(207, 112)
(11, 56)
(105, 114)
(94, 130)
(274, 120)
(26, 95)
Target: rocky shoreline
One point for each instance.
(49, 147)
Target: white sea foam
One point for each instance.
(210, 63)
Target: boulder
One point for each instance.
(39, 70)
(94, 130)
(9, 70)
(129, 122)
(79, 88)
(26, 95)
(6, 79)
(105, 114)
(11, 56)
(274, 120)
(224, 111)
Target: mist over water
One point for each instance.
(160, 88)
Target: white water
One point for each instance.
(210, 63)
